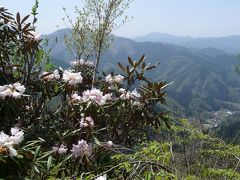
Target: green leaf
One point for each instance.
(97, 141)
(36, 169)
(19, 156)
(49, 66)
(49, 163)
(37, 152)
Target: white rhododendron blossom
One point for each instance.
(109, 79)
(118, 78)
(114, 79)
(15, 90)
(17, 136)
(8, 142)
(82, 62)
(122, 90)
(86, 122)
(75, 98)
(109, 144)
(61, 149)
(95, 95)
(36, 36)
(127, 95)
(1, 21)
(136, 103)
(104, 177)
(53, 76)
(81, 149)
(14, 68)
(72, 78)
(135, 94)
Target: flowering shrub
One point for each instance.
(78, 116)
(72, 78)
(114, 79)
(7, 142)
(70, 125)
(15, 90)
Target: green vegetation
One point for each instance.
(79, 123)
(204, 80)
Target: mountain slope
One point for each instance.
(230, 44)
(203, 79)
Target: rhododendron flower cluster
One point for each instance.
(53, 76)
(114, 79)
(86, 122)
(104, 177)
(127, 95)
(15, 90)
(75, 98)
(95, 95)
(8, 142)
(135, 95)
(36, 36)
(81, 149)
(72, 78)
(61, 149)
(82, 62)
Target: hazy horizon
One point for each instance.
(216, 18)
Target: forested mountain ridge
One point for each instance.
(204, 79)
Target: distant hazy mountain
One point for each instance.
(230, 44)
(204, 79)
(59, 51)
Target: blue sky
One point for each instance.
(198, 18)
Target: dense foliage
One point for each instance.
(66, 124)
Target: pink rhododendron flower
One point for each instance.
(15, 90)
(114, 79)
(95, 95)
(72, 78)
(53, 76)
(81, 149)
(7, 141)
(75, 98)
(61, 149)
(36, 36)
(86, 122)
(127, 95)
(135, 94)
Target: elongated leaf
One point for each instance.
(47, 154)
(37, 152)
(25, 18)
(130, 61)
(122, 67)
(49, 163)
(141, 60)
(18, 17)
(36, 169)
(26, 26)
(97, 141)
